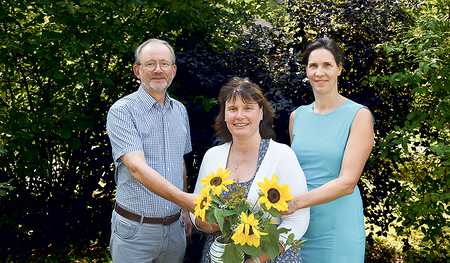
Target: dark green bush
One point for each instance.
(64, 63)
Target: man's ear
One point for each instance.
(174, 71)
(137, 71)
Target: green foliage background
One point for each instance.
(420, 146)
(63, 63)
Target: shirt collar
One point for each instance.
(150, 102)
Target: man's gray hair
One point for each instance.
(137, 53)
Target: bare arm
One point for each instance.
(291, 125)
(147, 176)
(358, 149)
(184, 211)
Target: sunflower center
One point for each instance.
(250, 231)
(216, 181)
(273, 195)
(203, 203)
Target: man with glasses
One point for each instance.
(149, 134)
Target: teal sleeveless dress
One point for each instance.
(336, 231)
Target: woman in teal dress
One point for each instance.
(332, 138)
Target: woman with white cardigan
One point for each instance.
(245, 125)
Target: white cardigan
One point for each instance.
(281, 160)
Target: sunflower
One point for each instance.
(247, 231)
(274, 195)
(217, 182)
(202, 204)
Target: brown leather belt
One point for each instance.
(149, 220)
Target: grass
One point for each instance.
(64, 253)
(387, 249)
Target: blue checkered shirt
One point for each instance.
(138, 123)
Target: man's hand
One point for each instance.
(187, 221)
(188, 201)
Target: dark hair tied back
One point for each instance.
(324, 43)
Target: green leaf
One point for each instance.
(218, 213)
(65, 133)
(272, 246)
(395, 156)
(411, 115)
(290, 238)
(75, 144)
(227, 212)
(58, 75)
(250, 250)
(397, 141)
(24, 122)
(208, 104)
(109, 82)
(283, 230)
(30, 154)
(231, 254)
(211, 217)
(389, 49)
(270, 250)
(272, 211)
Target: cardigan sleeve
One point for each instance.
(280, 159)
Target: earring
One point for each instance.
(261, 117)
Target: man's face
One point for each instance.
(156, 70)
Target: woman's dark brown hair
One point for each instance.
(249, 93)
(324, 43)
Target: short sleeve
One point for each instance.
(122, 132)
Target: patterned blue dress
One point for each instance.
(336, 231)
(287, 256)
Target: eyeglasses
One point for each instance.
(151, 65)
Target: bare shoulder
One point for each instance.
(364, 116)
(363, 123)
(292, 116)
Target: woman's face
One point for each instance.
(243, 119)
(323, 71)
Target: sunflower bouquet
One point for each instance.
(244, 227)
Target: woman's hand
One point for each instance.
(213, 228)
(291, 207)
(205, 227)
